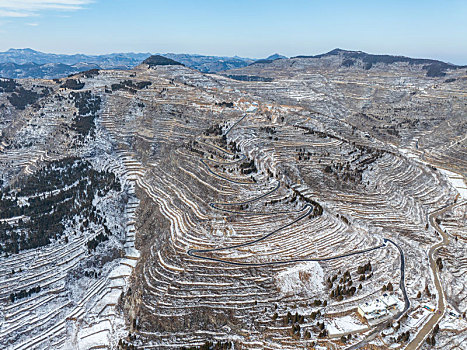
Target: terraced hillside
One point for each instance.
(164, 208)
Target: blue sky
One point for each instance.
(249, 28)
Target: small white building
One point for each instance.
(389, 300)
(372, 310)
(378, 308)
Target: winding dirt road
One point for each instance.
(417, 342)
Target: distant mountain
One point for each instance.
(158, 60)
(210, 64)
(276, 56)
(114, 60)
(348, 58)
(340, 60)
(270, 59)
(43, 71)
(28, 63)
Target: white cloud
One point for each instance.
(26, 8)
(6, 13)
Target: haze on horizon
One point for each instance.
(256, 29)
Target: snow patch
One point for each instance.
(345, 325)
(457, 181)
(304, 279)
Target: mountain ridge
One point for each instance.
(434, 68)
(203, 63)
(29, 63)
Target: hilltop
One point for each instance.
(434, 68)
(158, 60)
(352, 60)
